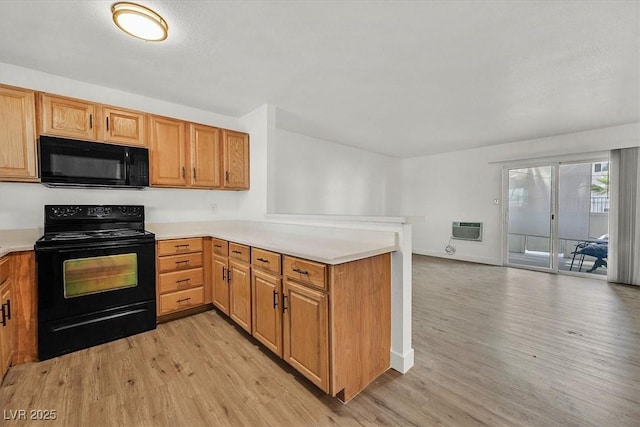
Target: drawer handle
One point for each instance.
(182, 246)
(297, 270)
(217, 246)
(262, 260)
(183, 300)
(186, 261)
(236, 252)
(183, 280)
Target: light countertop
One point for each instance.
(322, 244)
(18, 240)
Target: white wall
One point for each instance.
(258, 123)
(314, 176)
(21, 204)
(461, 186)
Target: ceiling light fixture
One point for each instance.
(139, 21)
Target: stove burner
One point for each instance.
(70, 236)
(94, 234)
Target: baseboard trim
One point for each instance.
(402, 362)
(461, 257)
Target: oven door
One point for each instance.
(81, 279)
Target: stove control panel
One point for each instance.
(130, 210)
(99, 211)
(64, 211)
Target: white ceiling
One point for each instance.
(399, 78)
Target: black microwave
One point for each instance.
(69, 162)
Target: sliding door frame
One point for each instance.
(554, 163)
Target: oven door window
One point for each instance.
(85, 276)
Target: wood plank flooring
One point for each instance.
(493, 346)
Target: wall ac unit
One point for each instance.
(466, 231)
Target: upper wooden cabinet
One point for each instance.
(75, 118)
(204, 152)
(18, 161)
(189, 155)
(168, 152)
(123, 126)
(67, 117)
(182, 154)
(235, 154)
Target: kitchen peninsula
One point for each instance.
(318, 297)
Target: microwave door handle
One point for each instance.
(127, 167)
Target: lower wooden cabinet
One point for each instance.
(305, 314)
(220, 283)
(181, 300)
(181, 275)
(266, 297)
(239, 276)
(332, 323)
(7, 318)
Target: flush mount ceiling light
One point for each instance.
(139, 21)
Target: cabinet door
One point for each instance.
(17, 134)
(205, 156)
(240, 294)
(67, 117)
(306, 332)
(7, 331)
(220, 284)
(235, 153)
(124, 126)
(265, 310)
(168, 152)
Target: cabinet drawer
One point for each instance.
(265, 260)
(179, 262)
(179, 246)
(169, 282)
(220, 247)
(304, 271)
(239, 252)
(4, 269)
(181, 300)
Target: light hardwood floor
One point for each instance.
(493, 346)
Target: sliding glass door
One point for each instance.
(530, 215)
(557, 217)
